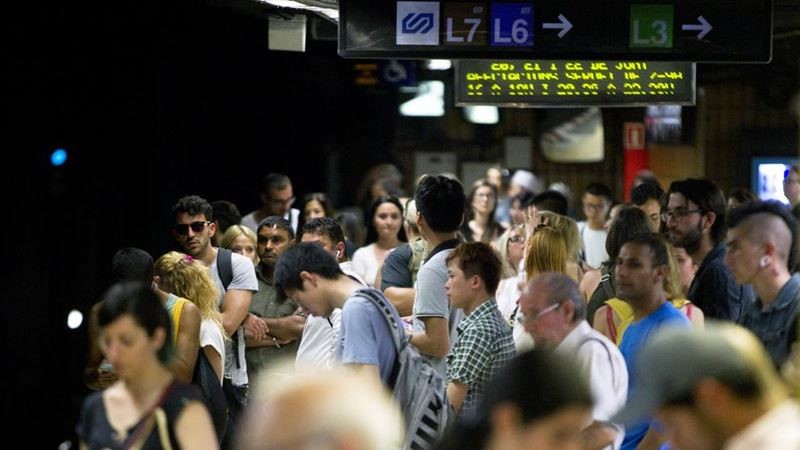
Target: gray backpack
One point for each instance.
(416, 386)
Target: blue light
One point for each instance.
(59, 157)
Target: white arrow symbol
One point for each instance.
(704, 27)
(564, 25)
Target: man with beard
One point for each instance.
(235, 279)
(695, 219)
(277, 313)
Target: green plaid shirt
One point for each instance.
(484, 345)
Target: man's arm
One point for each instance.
(402, 299)
(188, 342)
(598, 435)
(289, 328)
(368, 371)
(94, 378)
(652, 440)
(457, 393)
(235, 308)
(435, 339)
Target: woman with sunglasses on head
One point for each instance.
(511, 246)
(147, 407)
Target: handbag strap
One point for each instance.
(142, 430)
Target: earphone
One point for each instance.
(764, 262)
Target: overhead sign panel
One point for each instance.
(550, 83)
(642, 30)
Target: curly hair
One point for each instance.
(188, 278)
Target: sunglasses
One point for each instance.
(183, 228)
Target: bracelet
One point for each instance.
(275, 341)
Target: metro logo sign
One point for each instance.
(417, 23)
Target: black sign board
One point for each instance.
(641, 30)
(547, 83)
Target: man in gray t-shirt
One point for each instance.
(431, 300)
(440, 210)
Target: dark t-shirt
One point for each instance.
(715, 291)
(395, 271)
(95, 430)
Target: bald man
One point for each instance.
(761, 249)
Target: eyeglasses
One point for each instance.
(522, 319)
(183, 228)
(279, 202)
(516, 239)
(678, 213)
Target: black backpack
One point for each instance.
(206, 379)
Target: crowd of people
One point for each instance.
(667, 323)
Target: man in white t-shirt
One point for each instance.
(319, 341)
(596, 203)
(277, 197)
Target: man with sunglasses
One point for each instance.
(695, 220)
(553, 311)
(193, 230)
(277, 198)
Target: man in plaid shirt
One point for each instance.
(485, 343)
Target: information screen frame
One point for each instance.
(713, 31)
(683, 89)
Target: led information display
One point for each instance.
(545, 83)
(644, 30)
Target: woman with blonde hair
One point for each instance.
(572, 239)
(511, 246)
(242, 240)
(188, 280)
(545, 252)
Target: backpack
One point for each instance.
(225, 266)
(417, 387)
(213, 395)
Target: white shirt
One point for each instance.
(293, 216)
(320, 334)
(211, 335)
(603, 366)
(778, 429)
(366, 264)
(594, 244)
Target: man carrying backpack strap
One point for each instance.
(371, 339)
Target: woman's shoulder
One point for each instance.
(180, 395)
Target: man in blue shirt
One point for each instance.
(639, 274)
(761, 249)
(312, 277)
